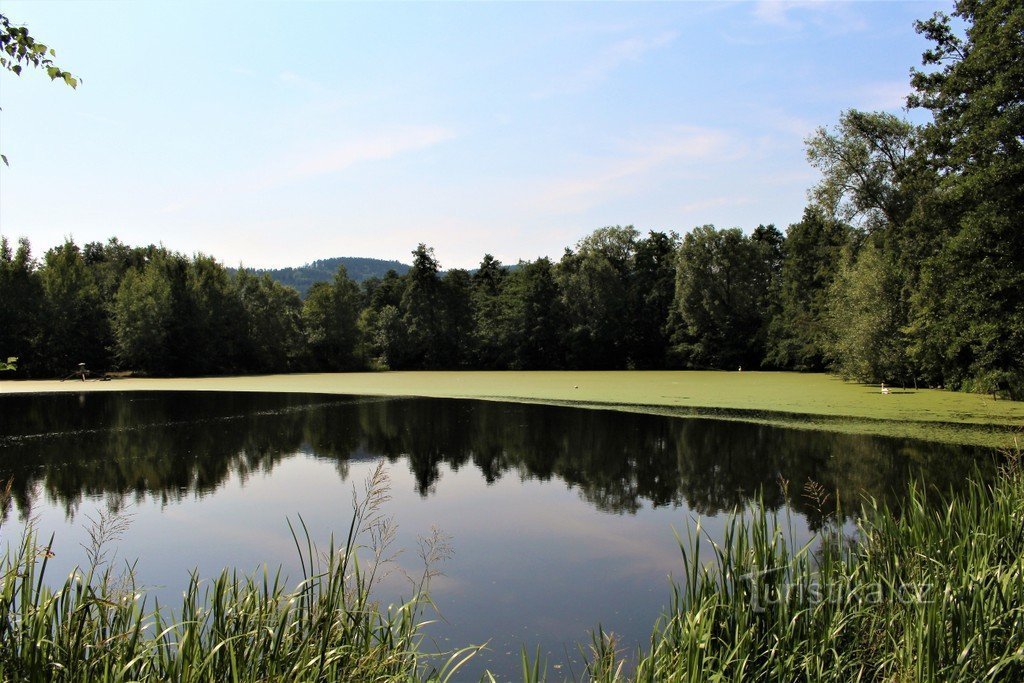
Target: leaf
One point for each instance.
(4, 157)
(70, 80)
(53, 72)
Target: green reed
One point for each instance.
(932, 593)
(96, 625)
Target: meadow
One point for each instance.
(801, 400)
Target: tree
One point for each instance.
(865, 319)
(141, 320)
(19, 49)
(74, 323)
(594, 284)
(423, 312)
(651, 291)
(488, 282)
(272, 315)
(21, 303)
(330, 316)
(532, 320)
(718, 317)
(866, 169)
(812, 255)
(968, 322)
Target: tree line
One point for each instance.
(906, 267)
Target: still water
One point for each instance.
(561, 519)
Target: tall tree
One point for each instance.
(812, 255)
(489, 347)
(717, 319)
(595, 283)
(423, 312)
(75, 322)
(969, 312)
(273, 340)
(330, 314)
(142, 315)
(21, 303)
(651, 291)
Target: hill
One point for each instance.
(323, 270)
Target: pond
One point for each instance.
(560, 519)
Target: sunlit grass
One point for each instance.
(815, 401)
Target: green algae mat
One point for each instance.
(809, 401)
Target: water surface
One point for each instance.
(560, 518)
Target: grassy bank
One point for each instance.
(936, 593)
(813, 401)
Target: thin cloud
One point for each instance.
(795, 15)
(886, 95)
(623, 173)
(611, 59)
(378, 147)
(330, 158)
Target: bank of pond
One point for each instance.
(805, 554)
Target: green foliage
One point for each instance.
(864, 320)
(76, 322)
(865, 166)
(141, 320)
(21, 303)
(720, 315)
(969, 310)
(19, 49)
(330, 318)
(272, 317)
(813, 249)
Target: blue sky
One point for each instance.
(275, 133)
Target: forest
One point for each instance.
(905, 268)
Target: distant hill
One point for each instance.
(323, 270)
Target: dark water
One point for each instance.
(561, 519)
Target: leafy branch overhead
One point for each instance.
(18, 49)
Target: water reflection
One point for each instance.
(170, 446)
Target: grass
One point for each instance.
(811, 401)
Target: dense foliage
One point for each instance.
(905, 268)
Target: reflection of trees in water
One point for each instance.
(171, 446)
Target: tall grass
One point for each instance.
(934, 593)
(96, 625)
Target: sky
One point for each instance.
(272, 134)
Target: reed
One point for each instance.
(935, 592)
(96, 625)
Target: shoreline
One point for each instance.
(797, 400)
